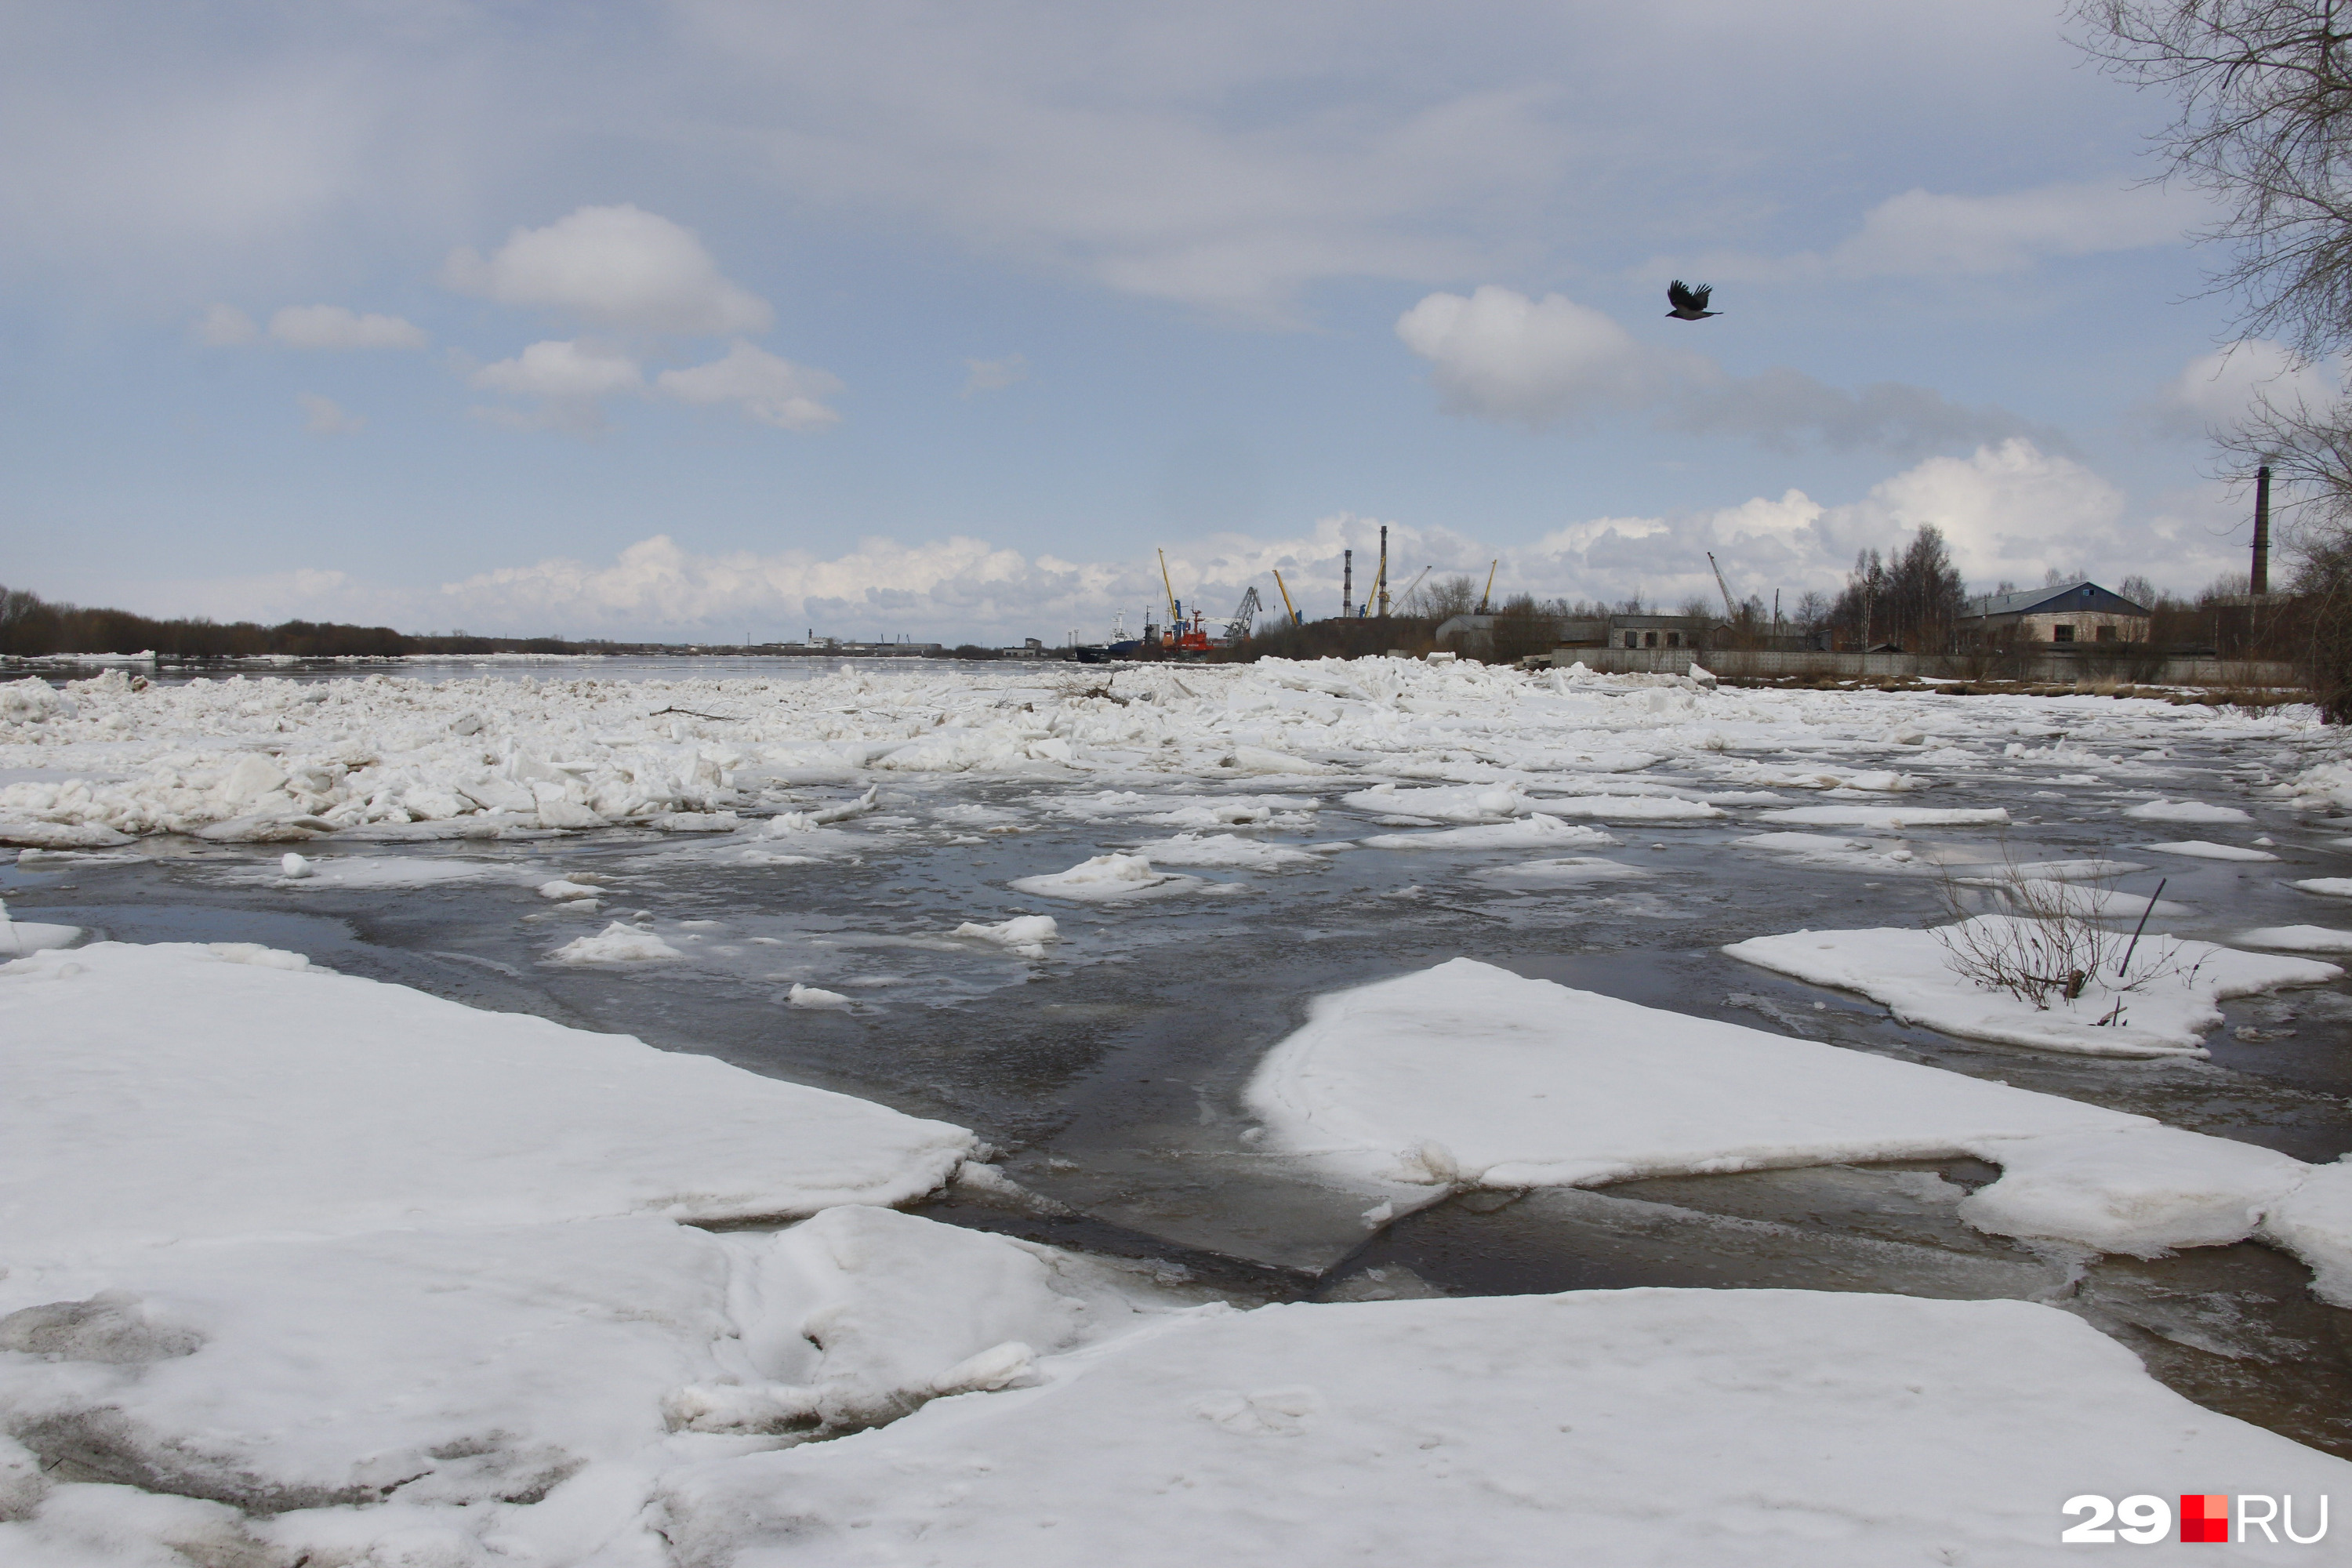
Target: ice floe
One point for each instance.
(1024, 934)
(2200, 849)
(1892, 818)
(2184, 811)
(1839, 1430)
(2165, 1011)
(1523, 833)
(1469, 1075)
(1110, 879)
(618, 943)
(163, 1094)
(18, 938)
(1229, 849)
(2299, 939)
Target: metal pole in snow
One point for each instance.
(2126, 966)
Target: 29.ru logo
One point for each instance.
(2144, 1519)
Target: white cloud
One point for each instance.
(2008, 511)
(325, 416)
(566, 380)
(1928, 234)
(334, 327)
(2218, 389)
(771, 390)
(223, 326)
(993, 375)
(1499, 356)
(616, 267)
(1921, 233)
(563, 368)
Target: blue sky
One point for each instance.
(704, 317)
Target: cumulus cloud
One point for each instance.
(566, 381)
(325, 416)
(993, 375)
(1499, 356)
(2218, 390)
(223, 326)
(2010, 510)
(616, 267)
(334, 327)
(766, 388)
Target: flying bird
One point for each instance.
(1689, 303)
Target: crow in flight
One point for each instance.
(1689, 304)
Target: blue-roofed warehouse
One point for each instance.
(2078, 612)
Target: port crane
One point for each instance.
(1180, 637)
(1729, 609)
(1489, 592)
(1238, 629)
(1295, 619)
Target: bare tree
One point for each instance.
(1440, 598)
(2264, 126)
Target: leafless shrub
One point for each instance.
(2048, 940)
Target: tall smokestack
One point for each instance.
(1384, 571)
(1347, 583)
(2260, 579)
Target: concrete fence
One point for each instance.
(2144, 669)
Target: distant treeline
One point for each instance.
(31, 626)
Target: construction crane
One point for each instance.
(1295, 619)
(1175, 620)
(1728, 608)
(1238, 629)
(1181, 637)
(1489, 594)
(1406, 597)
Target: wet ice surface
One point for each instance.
(1109, 1070)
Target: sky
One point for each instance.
(713, 319)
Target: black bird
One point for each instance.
(1689, 303)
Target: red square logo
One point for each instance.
(2205, 1518)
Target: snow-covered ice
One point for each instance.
(1024, 934)
(161, 1094)
(1523, 833)
(1469, 1075)
(1110, 879)
(2184, 811)
(1742, 1429)
(2201, 849)
(2328, 887)
(2299, 939)
(18, 938)
(1912, 973)
(1229, 849)
(617, 943)
(1890, 818)
(1563, 871)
